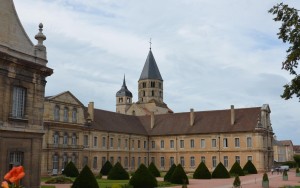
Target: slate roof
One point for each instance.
(150, 70)
(206, 122)
(124, 91)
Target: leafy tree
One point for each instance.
(202, 172)
(152, 168)
(236, 169)
(143, 178)
(249, 168)
(289, 32)
(118, 173)
(85, 179)
(70, 170)
(220, 172)
(179, 176)
(169, 173)
(106, 168)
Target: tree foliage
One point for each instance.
(118, 173)
(106, 168)
(220, 172)
(168, 175)
(297, 159)
(236, 169)
(70, 170)
(152, 168)
(249, 168)
(85, 179)
(289, 32)
(179, 176)
(202, 172)
(143, 178)
(237, 181)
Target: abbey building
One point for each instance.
(45, 133)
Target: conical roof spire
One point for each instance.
(124, 91)
(150, 70)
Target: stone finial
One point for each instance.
(40, 37)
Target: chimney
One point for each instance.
(232, 115)
(91, 110)
(192, 117)
(152, 120)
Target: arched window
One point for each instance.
(66, 114)
(55, 164)
(74, 139)
(56, 138)
(74, 115)
(65, 140)
(65, 161)
(56, 113)
(74, 158)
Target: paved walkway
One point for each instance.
(249, 181)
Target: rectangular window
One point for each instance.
(18, 102)
(181, 143)
(172, 144)
(225, 142)
(126, 162)
(152, 144)
(145, 160)
(203, 159)
(103, 142)
(132, 145)
(226, 161)
(74, 139)
(65, 140)
(86, 141)
(202, 143)
(85, 161)
(192, 161)
(171, 161)
(214, 161)
(111, 142)
(182, 161)
(55, 162)
(119, 160)
(119, 143)
(132, 163)
(237, 142)
(249, 158)
(153, 160)
(145, 145)
(95, 163)
(249, 142)
(162, 162)
(238, 159)
(192, 143)
(95, 141)
(126, 143)
(162, 144)
(213, 143)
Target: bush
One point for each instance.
(106, 168)
(265, 177)
(118, 173)
(71, 170)
(169, 173)
(297, 159)
(220, 172)
(291, 164)
(59, 180)
(85, 179)
(179, 176)
(154, 171)
(236, 169)
(143, 178)
(297, 169)
(237, 181)
(250, 168)
(202, 172)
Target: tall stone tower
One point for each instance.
(123, 98)
(23, 72)
(150, 84)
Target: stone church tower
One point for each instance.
(150, 93)
(23, 73)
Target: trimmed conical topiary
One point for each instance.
(106, 168)
(236, 169)
(118, 173)
(202, 172)
(179, 176)
(85, 179)
(143, 178)
(250, 168)
(237, 182)
(220, 172)
(70, 170)
(154, 171)
(169, 173)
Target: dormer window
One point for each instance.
(56, 113)
(74, 115)
(66, 114)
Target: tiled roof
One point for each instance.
(150, 70)
(206, 122)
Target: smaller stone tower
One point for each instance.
(123, 99)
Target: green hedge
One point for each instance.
(118, 173)
(220, 172)
(143, 178)
(86, 179)
(168, 175)
(202, 172)
(236, 169)
(249, 168)
(179, 176)
(71, 170)
(106, 168)
(154, 171)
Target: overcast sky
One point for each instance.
(211, 54)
